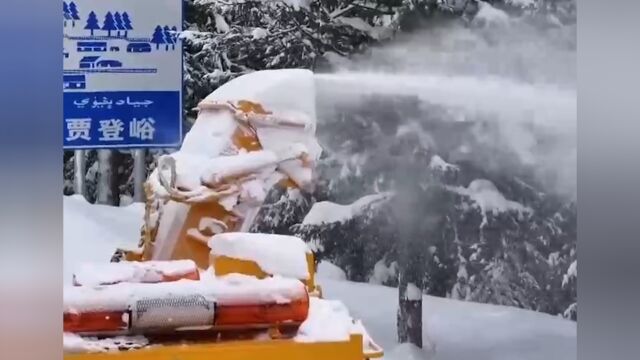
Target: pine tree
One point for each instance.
(73, 11)
(109, 23)
(127, 23)
(92, 23)
(66, 15)
(168, 38)
(119, 24)
(158, 37)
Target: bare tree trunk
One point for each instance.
(410, 256)
(107, 192)
(409, 314)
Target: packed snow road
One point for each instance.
(454, 330)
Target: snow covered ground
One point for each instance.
(456, 330)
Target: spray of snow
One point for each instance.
(326, 212)
(276, 254)
(489, 15)
(513, 75)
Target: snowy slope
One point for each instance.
(92, 232)
(458, 330)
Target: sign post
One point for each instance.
(122, 77)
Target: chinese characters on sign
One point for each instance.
(122, 77)
(110, 129)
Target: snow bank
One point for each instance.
(72, 343)
(233, 289)
(92, 233)
(93, 274)
(327, 321)
(406, 351)
(459, 329)
(327, 270)
(282, 255)
(326, 212)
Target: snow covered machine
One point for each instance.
(200, 285)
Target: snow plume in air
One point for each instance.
(513, 80)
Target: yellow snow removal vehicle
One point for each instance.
(199, 285)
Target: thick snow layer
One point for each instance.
(220, 168)
(92, 274)
(407, 351)
(210, 134)
(276, 254)
(327, 270)
(326, 212)
(72, 343)
(412, 292)
(327, 321)
(289, 94)
(93, 232)
(276, 90)
(458, 330)
(233, 289)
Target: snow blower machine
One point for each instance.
(199, 285)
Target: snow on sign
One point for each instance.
(122, 77)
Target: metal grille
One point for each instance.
(172, 312)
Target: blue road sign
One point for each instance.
(122, 77)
